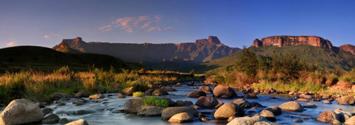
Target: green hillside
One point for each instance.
(312, 56)
(41, 58)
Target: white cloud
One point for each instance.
(10, 43)
(139, 23)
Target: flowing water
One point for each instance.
(104, 111)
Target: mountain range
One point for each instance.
(202, 50)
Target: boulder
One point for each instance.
(327, 116)
(346, 100)
(96, 96)
(268, 115)
(292, 106)
(128, 91)
(21, 111)
(133, 105)
(170, 111)
(350, 121)
(50, 119)
(150, 111)
(275, 110)
(224, 91)
(46, 111)
(245, 120)
(181, 117)
(160, 92)
(228, 110)
(196, 94)
(78, 122)
(207, 102)
(242, 103)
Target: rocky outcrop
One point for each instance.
(348, 48)
(21, 111)
(199, 51)
(281, 41)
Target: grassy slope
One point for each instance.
(323, 59)
(23, 57)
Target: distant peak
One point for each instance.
(211, 40)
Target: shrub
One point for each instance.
(138, 94)
(156, 101)
(247, 62)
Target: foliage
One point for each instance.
(156, 101)
(293, 86)
(247, 62)
(41, 85)
(138, 94)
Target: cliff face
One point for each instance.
(199, 51)
(348, 48)
(280, 41)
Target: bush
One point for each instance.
(138, 94)
(155, 101)
(247, 62)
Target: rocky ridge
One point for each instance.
(200, 51)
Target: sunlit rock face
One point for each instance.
(348, 48)
(281, 41)
(199, 51)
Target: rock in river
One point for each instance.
(78, 122)
(228, 110)
(268, 115)
(292, 106)
(50, 119)
(245, 120)
(133, 105)
(181, 117)
(196, 94)
(150, 111)
(207, 102)
(327, 117)
(223, 91)
(20, 111)
(167, 113)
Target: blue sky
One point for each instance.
(236, 22)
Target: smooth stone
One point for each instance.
(50, 119)
(167, 113)
(181, 118)
(78, 122)
(21, 111)
(292, 106)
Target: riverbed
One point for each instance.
(105, 111)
